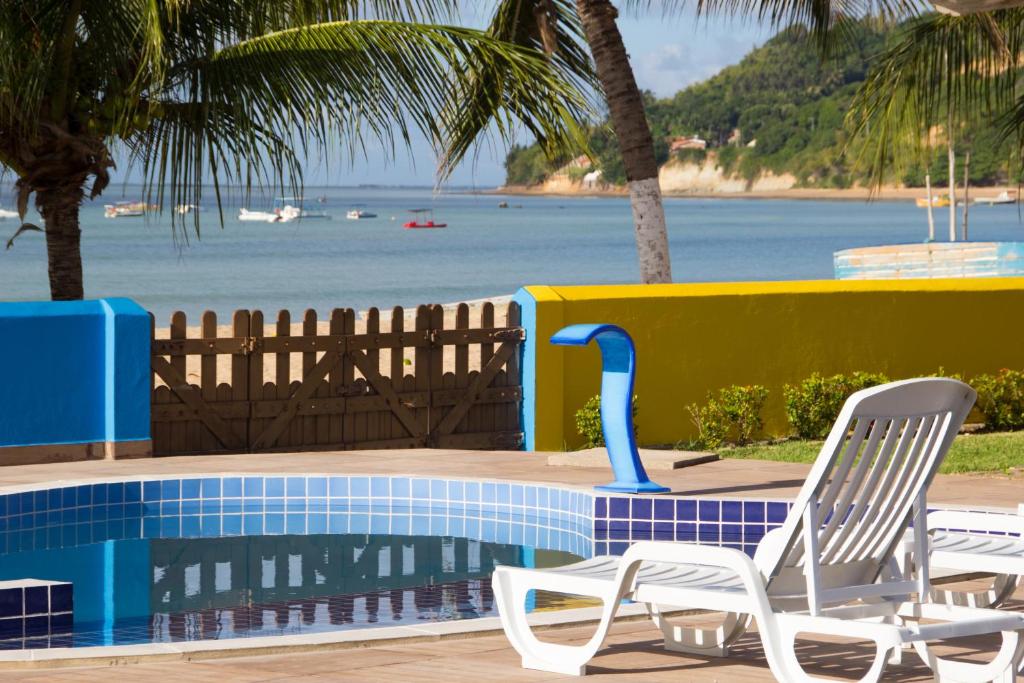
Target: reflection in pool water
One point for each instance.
(159, 590)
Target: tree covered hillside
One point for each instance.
(780, 110)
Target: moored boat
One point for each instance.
(127, 209)
(355, 214)
(1004, 197)
(937, 201)
(6, 213)
(428, 223)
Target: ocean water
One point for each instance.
(485, 251)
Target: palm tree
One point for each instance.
(942, 73)
(241, 91)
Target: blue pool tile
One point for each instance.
(504, 493)
(456, 490)
(273, 523)
(170, 489)
(273, 504)
(190, 488)
(641, 508)
(150, 491)
(709, 510)
(316, 505)
(686, 510)
(210, 507)
(190, 507)
(489, 493)
(252, 506)
(295, 504)
(489, 531)
(601, 529)
(518, 495)
(339, 487)
(618, 508)
(359, 487)
(472, 491)
(664, 531)
(438, 489)
(732, 511)
(316, 524)
(380, 524)
(399, 524)
(618, 529)
(337, 523)
(709, 533)
(148, 510)
(640, 531)
(295, 523)
(664, 510)
(316, 487)
(379, 487)
(190, 526)
(617, 548)
(600, 507)
(359, 524)
(131, 492)
(777, 512)
(83, 494)
(686, 531)
(69, 497)
(252, 525)
(11, 601)
(61, 597)
(421, 488)
(133, 528)
(531, 496)
(732, 533)
(209, 526)
(753, 511)
(211, 487)
(11, 628)
(252, 487)
(542, 497)
(231, 525)
(46, 500)
(168, 508)
(273, 487)
(170, 527)
(27, 502)
(232, 487)
(400, 487)
(472, 528)
(296, 487)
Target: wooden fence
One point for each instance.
(336, 384)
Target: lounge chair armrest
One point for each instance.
(696, 554)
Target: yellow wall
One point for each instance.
(693, 338)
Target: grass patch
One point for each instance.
(993, 452)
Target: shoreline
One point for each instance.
(797, 193)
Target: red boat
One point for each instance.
(429, 223)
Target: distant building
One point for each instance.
(687, 142)
(734, 137)
(582, 161)
(592, 179)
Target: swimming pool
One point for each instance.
(164, 560)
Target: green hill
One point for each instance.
(779, 110)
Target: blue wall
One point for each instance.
(74, 372)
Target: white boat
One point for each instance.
(355, 214)
(126, 209)
(188, 208)
(5, 214)
(285, 210)
(1003, 197)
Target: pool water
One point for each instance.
(176, 589)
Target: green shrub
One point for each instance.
(814, 404)
(735, 412)
(1001, 399)
(588, 422)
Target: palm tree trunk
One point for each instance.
(59, 209)
(629, 121)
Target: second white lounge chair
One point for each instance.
(823, 572)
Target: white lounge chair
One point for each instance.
(972, 542)
(820, 573)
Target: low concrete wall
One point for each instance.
(695, 338)
(75, 381)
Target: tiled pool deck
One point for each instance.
(634, 654)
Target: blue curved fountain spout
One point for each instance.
(618, 359)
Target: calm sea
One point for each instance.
(485, 250)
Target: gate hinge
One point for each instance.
(249, 345)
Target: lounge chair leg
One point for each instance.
(1003, 586)
(785, 650)
(1002, 669)
(700, 641)
(571, 660)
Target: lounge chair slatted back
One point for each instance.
(858, 501)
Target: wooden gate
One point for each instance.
(337, 384)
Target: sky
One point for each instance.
(667, 53)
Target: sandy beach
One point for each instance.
(803, 193)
